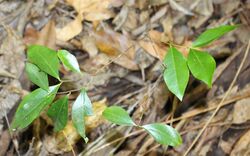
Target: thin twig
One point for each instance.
(222, 101)
(174, 120)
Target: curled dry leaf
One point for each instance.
(94, 10)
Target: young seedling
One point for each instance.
(43, 61)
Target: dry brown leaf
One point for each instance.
(94, 10)
(96, 119)
(241, 111)
(30, 36)
(46, 37)
(153, 45)
(117, 46)
(88, 44)
(241, 148)
(70, 30)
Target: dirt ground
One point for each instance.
(120, 45)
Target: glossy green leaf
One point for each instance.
(68, 60)
(82, 107)
(58, 112)
(163, 134)
(212, 34)
(37, 76)
(201, 65)
(32, 105)
(46, 59)
(118, 116)
(176, 75)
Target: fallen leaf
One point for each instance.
(70, 30)
(241, 111)
(242, 146)
(88, 44)
(45, 37)
(117, 46)
(153, 45)
(94, 10)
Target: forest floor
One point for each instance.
(120, 46)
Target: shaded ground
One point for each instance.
(119, 45)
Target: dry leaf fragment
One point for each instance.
(117, 46)
(153, 45)
(241, 148)
(70, 30)
(241, 111)
(88, 44)
(93, 10)
(46, 37)
(180, 8)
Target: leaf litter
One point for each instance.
(120, 46)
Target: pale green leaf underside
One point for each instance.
(58, 112)
(68, 60)
(118, 116)
(212, 34)
(163, 134)
(176, 75)
(201, 65)
(32, 105)
(46, 59)
(82, 107)
(37, 76)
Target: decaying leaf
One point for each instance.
(11, 62)
(70, 30)
(117, 46)
(242, 146)
(45, 37)
(88, 44)
(94, 10)
(153, 45)
(241, 111)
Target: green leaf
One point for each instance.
(69, 60)
(58, 112)
(176, 75)
(37, 76)
(163, 134)
(212, 34)
(201, 65)
(82, 107)
(45, 58)
(32, 105)
(118, 116)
